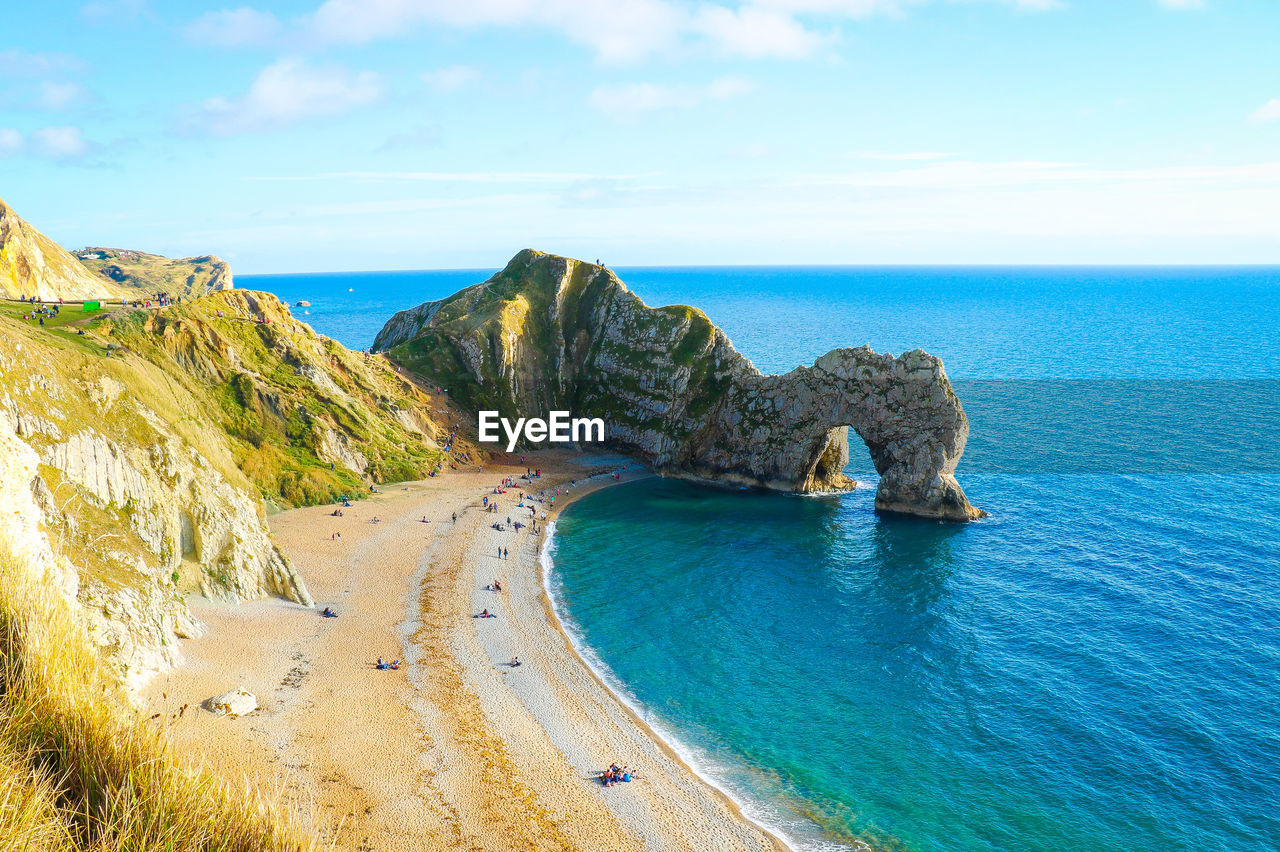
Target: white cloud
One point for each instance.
(108, 10)
(631, 100)
(234, 27)
(21, 63)
(52, 143)
(898, 156)
(1270, 111)
(11, 142)
(52, 94)
(1029, 174)
(289, 91)
(755, 32)
(447, 177)
(1182, 4)
(450, 79)
(616, 31)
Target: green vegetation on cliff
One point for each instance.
(163, 435)
(553, 333)
(151, 273)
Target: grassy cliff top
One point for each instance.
(263, 397)
(152, 273)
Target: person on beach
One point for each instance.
(497, 585)
(455, 517)
(515, 661)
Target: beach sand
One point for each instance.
(458, 749)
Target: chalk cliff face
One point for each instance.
(31, 264)
(137, 448)
(553, 333)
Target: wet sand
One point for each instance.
(458, 749)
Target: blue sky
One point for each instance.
(314, 135)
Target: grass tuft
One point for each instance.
(82, 771)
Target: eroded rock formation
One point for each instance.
(551, 333)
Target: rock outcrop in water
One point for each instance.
(551, 333)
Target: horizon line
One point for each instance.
(993, 265)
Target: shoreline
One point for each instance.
(780, 842)
(457, 749)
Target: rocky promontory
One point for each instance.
(145, 273)
(551, 333)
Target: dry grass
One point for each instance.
(80, 769)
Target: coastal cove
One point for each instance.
(1006, 676)
(457, 748)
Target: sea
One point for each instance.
(1093, 667)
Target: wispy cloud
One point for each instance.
(239, 27)
(60, 143)
(616, 31)
(450, 79)
(289, 91)
(628, 101)
(105, 10)
(22, 63)
(903, 156)
(55, 95)
(11, 142)
(445, 177)
(970, 174)
(1182, 4)
(1270, 111)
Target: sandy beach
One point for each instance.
(457, 749)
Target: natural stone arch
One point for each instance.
(550, 333)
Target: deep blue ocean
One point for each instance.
(1094, 667)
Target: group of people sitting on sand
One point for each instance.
(616, 773)
(383, 666)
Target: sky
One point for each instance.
(333, 135)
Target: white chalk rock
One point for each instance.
(237, 702)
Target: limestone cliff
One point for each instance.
(146, 441)
(550, 333)
(31, 264)
(147, 274)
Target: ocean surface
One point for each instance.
(1094, 667)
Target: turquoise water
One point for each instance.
(1095, 667)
